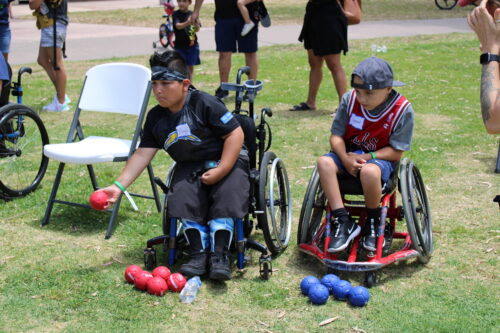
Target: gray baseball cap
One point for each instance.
(376, 73)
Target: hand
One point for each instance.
(486, 27)
(212, 176)
(113, 193)
(194, 19)
(353, 163)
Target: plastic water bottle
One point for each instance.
(188, 293)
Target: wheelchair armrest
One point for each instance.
(161, 184)
(232, 86)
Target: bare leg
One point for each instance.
(224, 66)
(252, 61)
(338, 73)
(315, 77)
(370, 176)
(328, 171)
(243, 9)
(58, 77)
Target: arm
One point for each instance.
(135, 165)
(182, 25)
(196, 12)
(10, 10)
(387, 153)
(230, 152)
(352, 162)
(488, 33)
(35, 4)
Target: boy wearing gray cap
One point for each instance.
(372, 129)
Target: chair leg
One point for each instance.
(172, 241)
(497, 168)
(153, 187)
(92, 177)
(112, 219)
(53, 194)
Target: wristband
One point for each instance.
(373, 155)
(129, 197)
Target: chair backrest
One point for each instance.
(115, 87)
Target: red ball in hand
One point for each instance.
(142, 279)
(98, 200)
(161, 271)
(130, 273)
(157, 286)
(176, 282)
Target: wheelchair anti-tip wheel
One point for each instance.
(312, 211)
(445, 4)
(416, 210)
(275, 203)
(22, 162)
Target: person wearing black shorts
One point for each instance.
(210, 186)
(228, 40)
(324, 34)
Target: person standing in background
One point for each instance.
(5, 35)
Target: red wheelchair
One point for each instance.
(413, 241)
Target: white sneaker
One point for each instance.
(66, 99)
(48, 106)
(246, 28)
(56, 107)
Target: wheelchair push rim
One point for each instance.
(416, 210)
(22, 138)
(274, 202)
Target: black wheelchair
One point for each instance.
(22, 137)
(270, 196)
(314, 230)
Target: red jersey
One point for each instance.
(370, 133)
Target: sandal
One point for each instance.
(302, 107)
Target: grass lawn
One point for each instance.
(66, 277)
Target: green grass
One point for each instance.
(281, 11)
(66, 277)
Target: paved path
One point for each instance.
(95, 41)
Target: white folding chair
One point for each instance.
(117, 88)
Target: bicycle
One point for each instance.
(22, 137)
(446, 4)
(166, 31)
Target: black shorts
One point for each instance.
(228, 36)
(189, 198)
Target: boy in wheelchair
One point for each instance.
(210, 184)
(371, 130)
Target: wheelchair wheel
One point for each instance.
(416, 210)
(370, 279)
(445, 4)
(275, 203)
(22, 162)
(166, 35)
(312, 211)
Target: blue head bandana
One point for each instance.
(165, 74)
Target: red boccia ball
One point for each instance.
(176, 282)
(157, 286)
(98, 200)
(161, 271)
(130, 273)
(142, 279)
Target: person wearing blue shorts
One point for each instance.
(5, 36)
(228, 40)
(186, 41)
(371, 130)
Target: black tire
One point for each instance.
(166, 35)
(445, 4)
(370, 279)
(264, 273)
(275, 203)
(416, 210)
(22, 162)
(312, 211)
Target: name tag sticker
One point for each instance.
(226, 117)
(183, 130)
(357, 121)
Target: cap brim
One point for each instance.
(398, 83)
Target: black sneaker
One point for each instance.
(370, 235)
(219, 267)
(343, 232)
(197, 264)
(221, 94)
(388, 235)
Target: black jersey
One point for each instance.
(192, 134)
(182, 40)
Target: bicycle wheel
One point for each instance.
(275, 203)
(446, 4)
(166, 35)
(313, 210)
(22, 162)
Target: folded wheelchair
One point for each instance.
(414, 240)
(270, 196)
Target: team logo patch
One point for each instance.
(174, 137)
(226, 117)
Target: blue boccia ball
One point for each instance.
(318, 294)
(359, 296)
(307, 282)
(341, 289)
(329, 280)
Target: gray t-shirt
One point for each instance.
(400, 139)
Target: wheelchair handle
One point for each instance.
(267, 111)
(242, 70)
(161, 184)
(21, 72)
